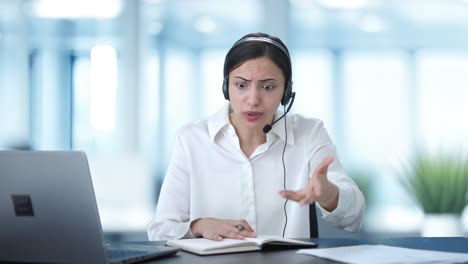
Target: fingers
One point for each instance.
(314, 187)
(308, 199)
(320, 176)
(231, 230)
(292, 195)
(322, 168)
(234, 233)
(216, 237)
(246, 233)
(325, 163)
(302, 196)
(218, 229)
(246, 229)
(242, 223)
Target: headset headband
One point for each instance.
(263, 39)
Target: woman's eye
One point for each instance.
(268, 87)
(241, 85)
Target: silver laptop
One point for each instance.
(48, 213)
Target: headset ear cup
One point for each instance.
(287, 94)
(226, 88)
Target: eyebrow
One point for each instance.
(263, 80)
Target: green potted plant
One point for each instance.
(439, 184)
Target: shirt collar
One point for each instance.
(220, 120)
(278, 128)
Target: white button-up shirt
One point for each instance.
(209, 176)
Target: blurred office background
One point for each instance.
(117, 78)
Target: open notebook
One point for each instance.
(202, 246)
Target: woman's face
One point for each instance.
(255, 91)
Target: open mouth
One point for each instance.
(252, 116)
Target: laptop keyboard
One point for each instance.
(113, 254)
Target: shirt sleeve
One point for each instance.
(172, 217)
(349, 213)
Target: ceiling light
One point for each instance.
(77, 9)
(372, 24)
(153, 2)
(205, 24)
(351, 4)
(302, 3)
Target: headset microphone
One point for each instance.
(268, 127)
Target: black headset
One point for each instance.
(288, 93)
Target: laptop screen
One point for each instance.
(48, 209)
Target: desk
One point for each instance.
(450, 244)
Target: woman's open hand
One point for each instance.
(318, 189)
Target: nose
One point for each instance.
(253, 97)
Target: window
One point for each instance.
(311, 78)
(376, 107)
(442, 107)
(377, 132)
(212, 62)
(95, 93)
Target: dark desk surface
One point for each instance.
(449, 244)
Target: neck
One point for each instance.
(249, 138)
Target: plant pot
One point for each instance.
(442, 225)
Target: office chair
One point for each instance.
(313, 225)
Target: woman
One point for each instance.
(231, 177)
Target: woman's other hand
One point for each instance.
(217, 229)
